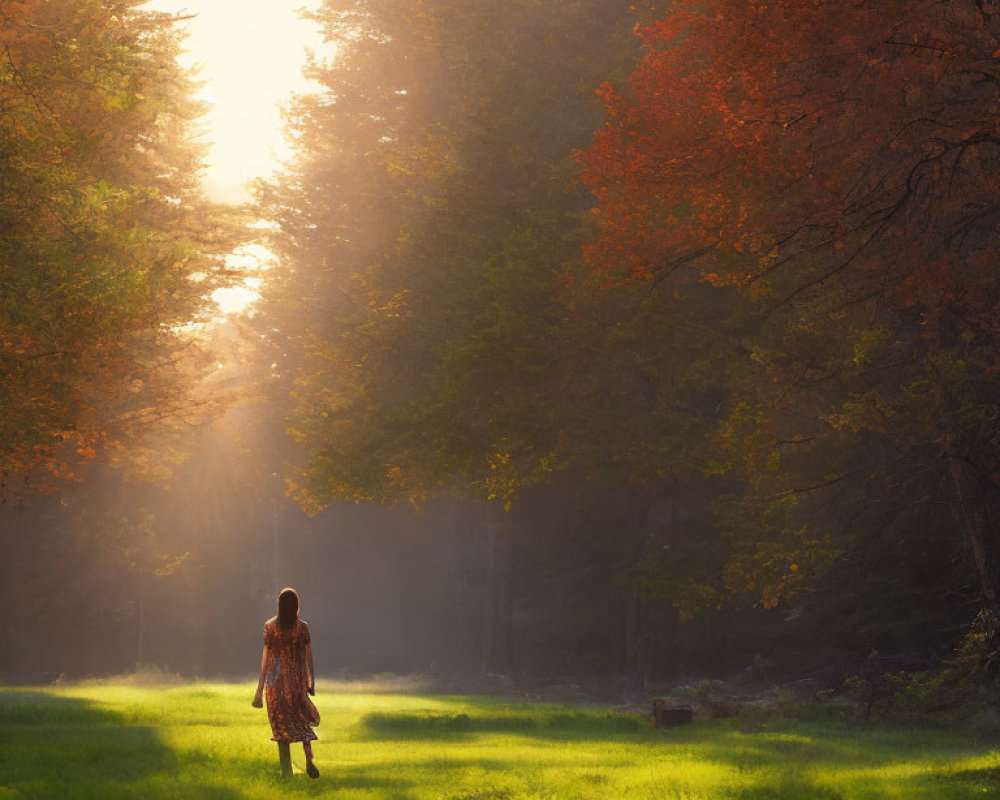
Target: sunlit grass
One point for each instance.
(205, 741)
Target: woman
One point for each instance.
(286, 672)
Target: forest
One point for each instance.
(606, 347)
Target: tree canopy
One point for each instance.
(429, 210)
(834, 164)
(700, 298)
(107, 245)
(785, 289)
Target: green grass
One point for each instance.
(205, 741)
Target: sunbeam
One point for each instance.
(250, 55)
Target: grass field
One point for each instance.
(205, 741)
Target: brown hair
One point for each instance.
(288, 608)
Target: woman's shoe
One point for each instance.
(311, 770)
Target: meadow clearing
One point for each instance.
(103, 741)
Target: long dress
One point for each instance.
(289, 710)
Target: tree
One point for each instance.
(428, 226)
(834, 164)
(107, 247)
(426, 222)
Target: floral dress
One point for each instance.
(289, 710)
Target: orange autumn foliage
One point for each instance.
(779, 147)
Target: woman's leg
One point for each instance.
(310, 767)
(285, 759)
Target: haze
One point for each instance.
(604, 348)
(250, 54)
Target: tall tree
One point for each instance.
(425, 221)
(426, 227)
(836, 165)
(107, 246)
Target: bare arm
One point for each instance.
(312, 672)
(258, 701)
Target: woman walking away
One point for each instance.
(287, 677)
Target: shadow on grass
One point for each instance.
(787, 790)
(65, 747)
(983, 779)
(782, 762)
(823, 763)
(562, 726)
(380, 779)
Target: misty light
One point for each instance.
(250, 260)
(234, 299)
(249, 54)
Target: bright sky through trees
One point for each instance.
(250, 54)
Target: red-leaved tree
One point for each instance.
(837, 163)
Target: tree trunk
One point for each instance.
(498, 634)
(972, 517)
(630, 678)
(142, 619)
(274, 534)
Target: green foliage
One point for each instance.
(106, 246)
(962, 686)
(865, 386)
(761, 313)
(426, 224)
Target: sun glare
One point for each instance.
(250, 260)
(234, 299)
(249, 54)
